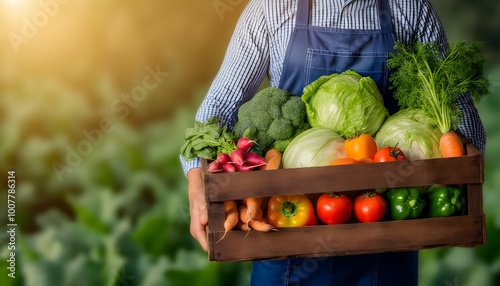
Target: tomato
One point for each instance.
(365, 161)
(389, 154)
(362, 146)
(334, 208)
(344, 161)
(370, 207)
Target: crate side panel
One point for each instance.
(474, 199)
(459, 170)
(350, 239)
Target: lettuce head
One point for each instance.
(347, 103)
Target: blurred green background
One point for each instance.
(94, 100)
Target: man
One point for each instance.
(293, 43)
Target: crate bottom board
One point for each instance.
(348, 239)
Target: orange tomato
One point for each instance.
(344, 161)
(365, 160)
(360, 147)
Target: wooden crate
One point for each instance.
(351, 238)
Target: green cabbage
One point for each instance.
(316, 146)
(347, 103)
(413, 132)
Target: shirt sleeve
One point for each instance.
(242, 71)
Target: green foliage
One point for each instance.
(430, 79)
(207, 140)
(118, 217)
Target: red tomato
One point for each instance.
(334, 208)
(389, 154)
(359, 147)
(370, 207)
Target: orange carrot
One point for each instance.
(261, 226)
(254, 207)
(231, 217)
(242, 224)
(273, 159)
(258, 223)
(451, 145)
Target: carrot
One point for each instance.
(243, 226)
(242, 210)
(258, 223)
(254, 207)
(273, 159)
(231, 217)
(451, 145)
(261, 225)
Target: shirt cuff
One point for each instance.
(188, 165)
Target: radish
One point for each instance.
(223, 158)
(214, 167)
(245, 167)
(229, 167)
(244, 143)
(238, 156)
(254, 159)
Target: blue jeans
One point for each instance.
(383, 269)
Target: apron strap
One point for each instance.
(303, 13)
(385, 17)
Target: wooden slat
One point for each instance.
(474, 194)
(349, 239)
(459, 170)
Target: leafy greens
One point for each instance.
(428, 78)
(206, 140)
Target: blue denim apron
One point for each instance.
(313, 52)
(316, 51)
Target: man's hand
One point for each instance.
(197, 207)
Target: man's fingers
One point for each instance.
(199, 233)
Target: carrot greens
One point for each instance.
(428, 78)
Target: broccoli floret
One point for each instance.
(280, 129)
(272, 115)
(301, 128)
(295, 111)
(281, 145)
(263, 144)
(261, 119)
(274, 111)
(278, 97)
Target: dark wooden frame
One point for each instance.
(351, 238)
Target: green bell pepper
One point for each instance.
(405, 203)
(445, 200)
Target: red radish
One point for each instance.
(214, 167)
(244, 143)
(223, 158)
(254, 159)
(229, 167)
(245, 167)
(238, 156)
